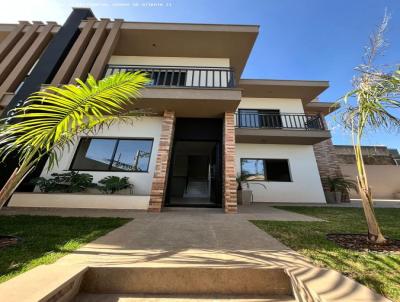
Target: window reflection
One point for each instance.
(98, 154)
(132, 155)
(253, 169)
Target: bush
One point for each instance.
(69, 182)
(112, 184)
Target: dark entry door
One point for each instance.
(195, 173)
(216, 175)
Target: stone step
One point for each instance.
(201, 298)
(183, 281)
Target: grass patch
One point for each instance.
(47, 238)
(378, 271)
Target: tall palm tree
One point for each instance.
(373, 103)
(51, 119)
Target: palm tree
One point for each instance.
(51, 119)
(376, 96)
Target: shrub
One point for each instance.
(69, 182)
(112, 184)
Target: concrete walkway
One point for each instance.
(181, 236)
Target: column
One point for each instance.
(159, 185)
(229, 196)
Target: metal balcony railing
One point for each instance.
(279, 121)
(181, 77)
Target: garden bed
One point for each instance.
(6, 241)
(359, 242)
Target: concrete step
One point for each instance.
(183, 281)
(152, 298)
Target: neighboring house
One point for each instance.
(382, 166)
(206, 126)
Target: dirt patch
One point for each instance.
(7, 241)
(359, 242)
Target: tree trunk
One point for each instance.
(13, 182)
(374, 232)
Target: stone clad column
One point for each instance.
(327, 161)
(160, 178)
(229, 190)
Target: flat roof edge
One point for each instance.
(268, 82)
(251, 29)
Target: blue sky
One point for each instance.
(299, 39)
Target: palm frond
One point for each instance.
(52, 118)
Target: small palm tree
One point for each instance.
(376, 96)
(340, 184)
(51, 119)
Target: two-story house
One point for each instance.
(206, 125)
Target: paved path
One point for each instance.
(183, 236)
(191, 237)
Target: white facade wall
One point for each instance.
(305, 186)
(147, 127)
(284, 105)
(170, 61)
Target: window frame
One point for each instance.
(118, 139)
(259, 112)
(265, 170)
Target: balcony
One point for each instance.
(181, 77)
(188, 91)
(256, 126)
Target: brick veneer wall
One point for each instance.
(328, 164)
(327, 161)
(159, 185)
(229, 174)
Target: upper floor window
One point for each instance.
(259, 118)
(265, 169)
(113, 154)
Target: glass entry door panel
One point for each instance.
(195, 174)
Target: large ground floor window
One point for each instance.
(113, 154)
(265, 169)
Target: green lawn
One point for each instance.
(378, 271)
(46, 239)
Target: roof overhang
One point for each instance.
(291, 89)
(187, 40)
(321, 107)
(188, 102)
